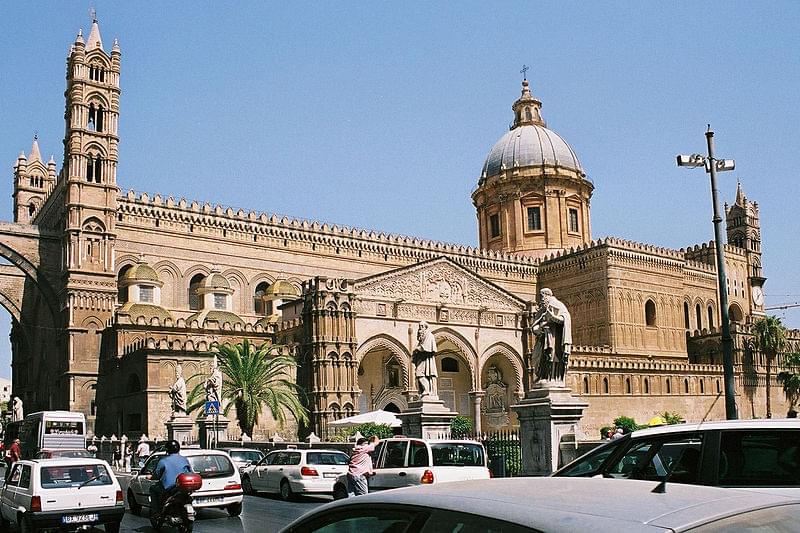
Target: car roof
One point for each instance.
(433, 441)
(308, 450)
(240, 450)
(67, 461)
(189, 452)
(766, 423)
(573, 504)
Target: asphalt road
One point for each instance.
(260, 514)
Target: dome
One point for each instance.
(146, 310)
(281, 290)
(530, 145)
(139, 272)
(216, 281)
(216, 315)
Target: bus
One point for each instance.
(48, 433)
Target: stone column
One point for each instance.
(477, 397)
(548, 424)
(179, 428)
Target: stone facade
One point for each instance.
(111, 290)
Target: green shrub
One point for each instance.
(368, 429)
(627, 424)
(604, 430)
(672, 418)
(461, 427)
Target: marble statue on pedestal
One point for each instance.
(424, 358)
(177, 392)
(552, 327)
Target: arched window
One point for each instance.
(669, 387)
(528, 115)
(258, 299)
(95, 119)
(393, 373)
(710, 317)
(195, 300)
(699, 316)
(646, 386)
(391, 407)
(449, 364)
(627, 385)
(586, 385)
(94, 169)
(650, 313)
(122, 292)
(686, 386)
(605, 385)
(686, 323)
(31, 209)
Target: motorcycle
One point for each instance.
(177, 509)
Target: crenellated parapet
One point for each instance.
(250, 226)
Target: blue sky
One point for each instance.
(379, 115)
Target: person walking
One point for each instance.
(360, 466)
(142, 452)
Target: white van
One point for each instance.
(403, 461)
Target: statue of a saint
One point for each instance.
(552, 327)
(424, 358)
(16, 409)
(214, 383)
(177, 392)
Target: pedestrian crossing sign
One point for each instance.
(212, 408)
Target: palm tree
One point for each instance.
(255, 378)
(769, 337)
(790, 379)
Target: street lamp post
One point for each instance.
(712, 165)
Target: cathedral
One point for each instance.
(111, 290)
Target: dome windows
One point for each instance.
(494, 225)
(534, 218)
(573, 221)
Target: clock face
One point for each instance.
(758, 296)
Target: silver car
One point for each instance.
(293, 472)
(516, 505)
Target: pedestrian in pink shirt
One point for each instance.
(360, 466)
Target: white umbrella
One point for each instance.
(376, 417)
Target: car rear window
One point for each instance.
(73, 476)
(327, 458)
(246, 456)
(458, 454)
(759, 458)
(209, 466)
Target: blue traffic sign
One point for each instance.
(212, 408)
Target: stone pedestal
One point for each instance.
(213, 429)
(548, 424)
(428, 418)
(179, 428)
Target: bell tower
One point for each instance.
(90, 206)
(744, 231)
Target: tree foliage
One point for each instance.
(790, 379)
(769, 337)
(253, 379)
(627, 424)
(461, 427)
(368, 429)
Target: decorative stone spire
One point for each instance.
(526, 109)
(741, 199)
(94, 37)
(35, 154)
(79, 38)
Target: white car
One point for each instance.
(244, 457)
(291, 472)
(761, 455)
(403, 461)
(61, 494)
(222, 485)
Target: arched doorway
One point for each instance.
(382, 375)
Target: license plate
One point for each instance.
(79, 518)
(330, 474)
(209, 499)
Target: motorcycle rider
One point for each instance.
(168, 469)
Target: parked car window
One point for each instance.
(72, 476)
(654, 459)
(591, 463)
(15, 475)
(776, 519)
(245, 456)
(457, 454)
(25, 477)
(759, 458)
(395, 454)
(150, 466)
(452, 521)
(376, 454)
(269, 459)
(212, 465)
(327, 458)
(362, 518)
(293, 458)
(418, 455)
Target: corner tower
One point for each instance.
(33, 181)
(743, 227)
(533, 195)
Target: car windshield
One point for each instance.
(327, 458)
(208, 466)
(74, 476)
(589, 464)
(246, 456)
(458, 454)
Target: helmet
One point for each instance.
(173, 446)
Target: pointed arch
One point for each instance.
(465, 349)
(391, 345)
(511, 355)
